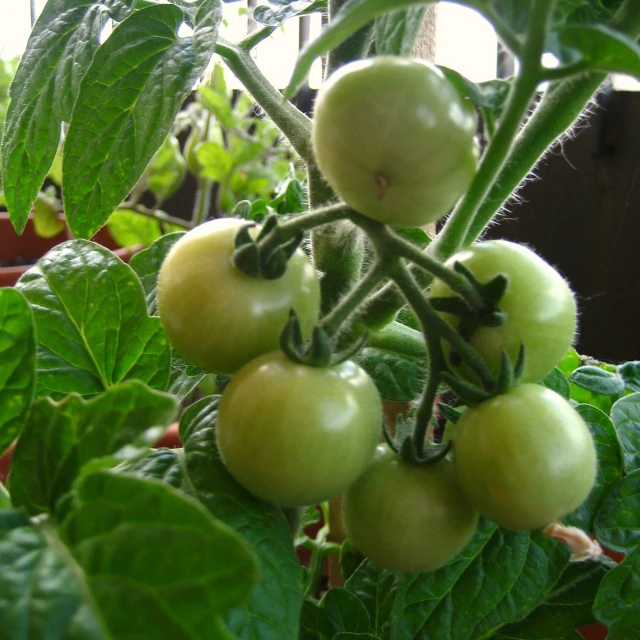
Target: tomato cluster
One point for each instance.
(396, 142)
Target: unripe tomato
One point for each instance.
(539, 306)
(296, 435)
(217, 317)
(395, 140)
(525, 458)
(406, 517)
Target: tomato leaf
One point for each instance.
(617, 604)
(598, 380)
(165, 465)
(609, 472)
(129, 228)
(18, 370)
(512, 573)
(625, 415)
(42, 588)
(397, 377)
(147, 264)
(273, 608)
(217, 163)
(567, 607)
(346, 635)
(276, 17)
(557, 381)
(598, 48)
(92, 325)
(339, 610)
(142, 541)
(630, 373)
(59, 438)
(126, 105)
(44, 91)
(396, 32)
(618, 522)
(167, 170)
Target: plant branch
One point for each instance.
(303, 222)
(522, 93)
(561, 105)
(255, 38)
(333, 321)
(156, 214)
(202, 202)
(293, 124)
(432, 324)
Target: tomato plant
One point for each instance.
(539, 306)
(179, 441)
(395, 140)
(216, 316)
(298, 435)
(525, 458)
(407, 517)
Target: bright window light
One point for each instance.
(466, 42)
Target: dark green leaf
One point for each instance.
(183, 377)
(127, 102)
(92, 325)
(618, 523)
(625, 415)
(147, 264)
(18, 370)
(61, 437)
(598, 48)
(338, 611)
(396, 32)
(158, 565)
(630, 373)
(166, 465)
(44, 91)
(346, 635)
(618, 601)
(505, 575)
(273, 608)
(567, 607)
(275, 17)
(377, 589)
(609, 455)
(598, 380)
(40, 592)
(397, 377)
(557, 381)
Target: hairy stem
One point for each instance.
(333, 321)
(293, 124)
(523, 91)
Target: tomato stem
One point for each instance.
(521, 95)
(433, 325)
(333, 321)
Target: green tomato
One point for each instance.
(406, 517)
(395, 140)
(217, 317)
(539, 306)
(297, 435)
(525, 458)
